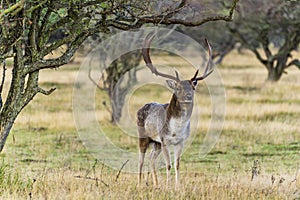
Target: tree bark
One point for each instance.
(5, 130)
(273, 75)
(276, 69)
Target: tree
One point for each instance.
(113, 79)
(27, 25)
(221, 39)
(115, 85)
(268, 24)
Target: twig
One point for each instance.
(94, 171)
(91, 178)
(296, 175)
(46, 92)
(219, 168)
(94, 167)
(121, 169)
(11, 9)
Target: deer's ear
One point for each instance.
(171, 84)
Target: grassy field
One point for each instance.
(256, 157)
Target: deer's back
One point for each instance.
(152, 116)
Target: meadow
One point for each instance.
(256, 157)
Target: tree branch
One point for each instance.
(33, 31)
(72, 47)
(5, 56)
(11, 9)
(2, 83)
(57, 62)
(245, 42)
(167, 19)
(46, 92)
(31, 88)
(3, 77)
(265, 44)
(94, 82)
(41, 37)
(295, 62)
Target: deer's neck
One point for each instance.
(178, 109)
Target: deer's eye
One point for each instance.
(194, 83)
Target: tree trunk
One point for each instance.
(118, 85)
(276, 69)
(5, 130)
(117, 103)
(22, 90)
(273, 75)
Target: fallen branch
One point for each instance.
(296, 175)
(121, 169)
(94, 179)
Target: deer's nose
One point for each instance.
(189, 96)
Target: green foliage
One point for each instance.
(104, 5)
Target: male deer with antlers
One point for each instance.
(167, 124)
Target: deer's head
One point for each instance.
(183, 89)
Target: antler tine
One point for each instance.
(206, 71)
(195, 76)
(146, 56)
(177, 75)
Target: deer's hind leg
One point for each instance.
(153, 156)
(143, 145)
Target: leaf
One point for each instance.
(104, 5)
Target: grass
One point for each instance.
(256, 156)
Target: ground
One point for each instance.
(256, 156)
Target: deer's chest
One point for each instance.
(179, 130)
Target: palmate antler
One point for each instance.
(206, 71)
(146, 56)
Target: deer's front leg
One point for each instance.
(177, 153)
(166, 153)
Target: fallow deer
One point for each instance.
(163, 125)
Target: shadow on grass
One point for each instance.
(245, 88)
(269, 150)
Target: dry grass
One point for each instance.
(45, 159)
